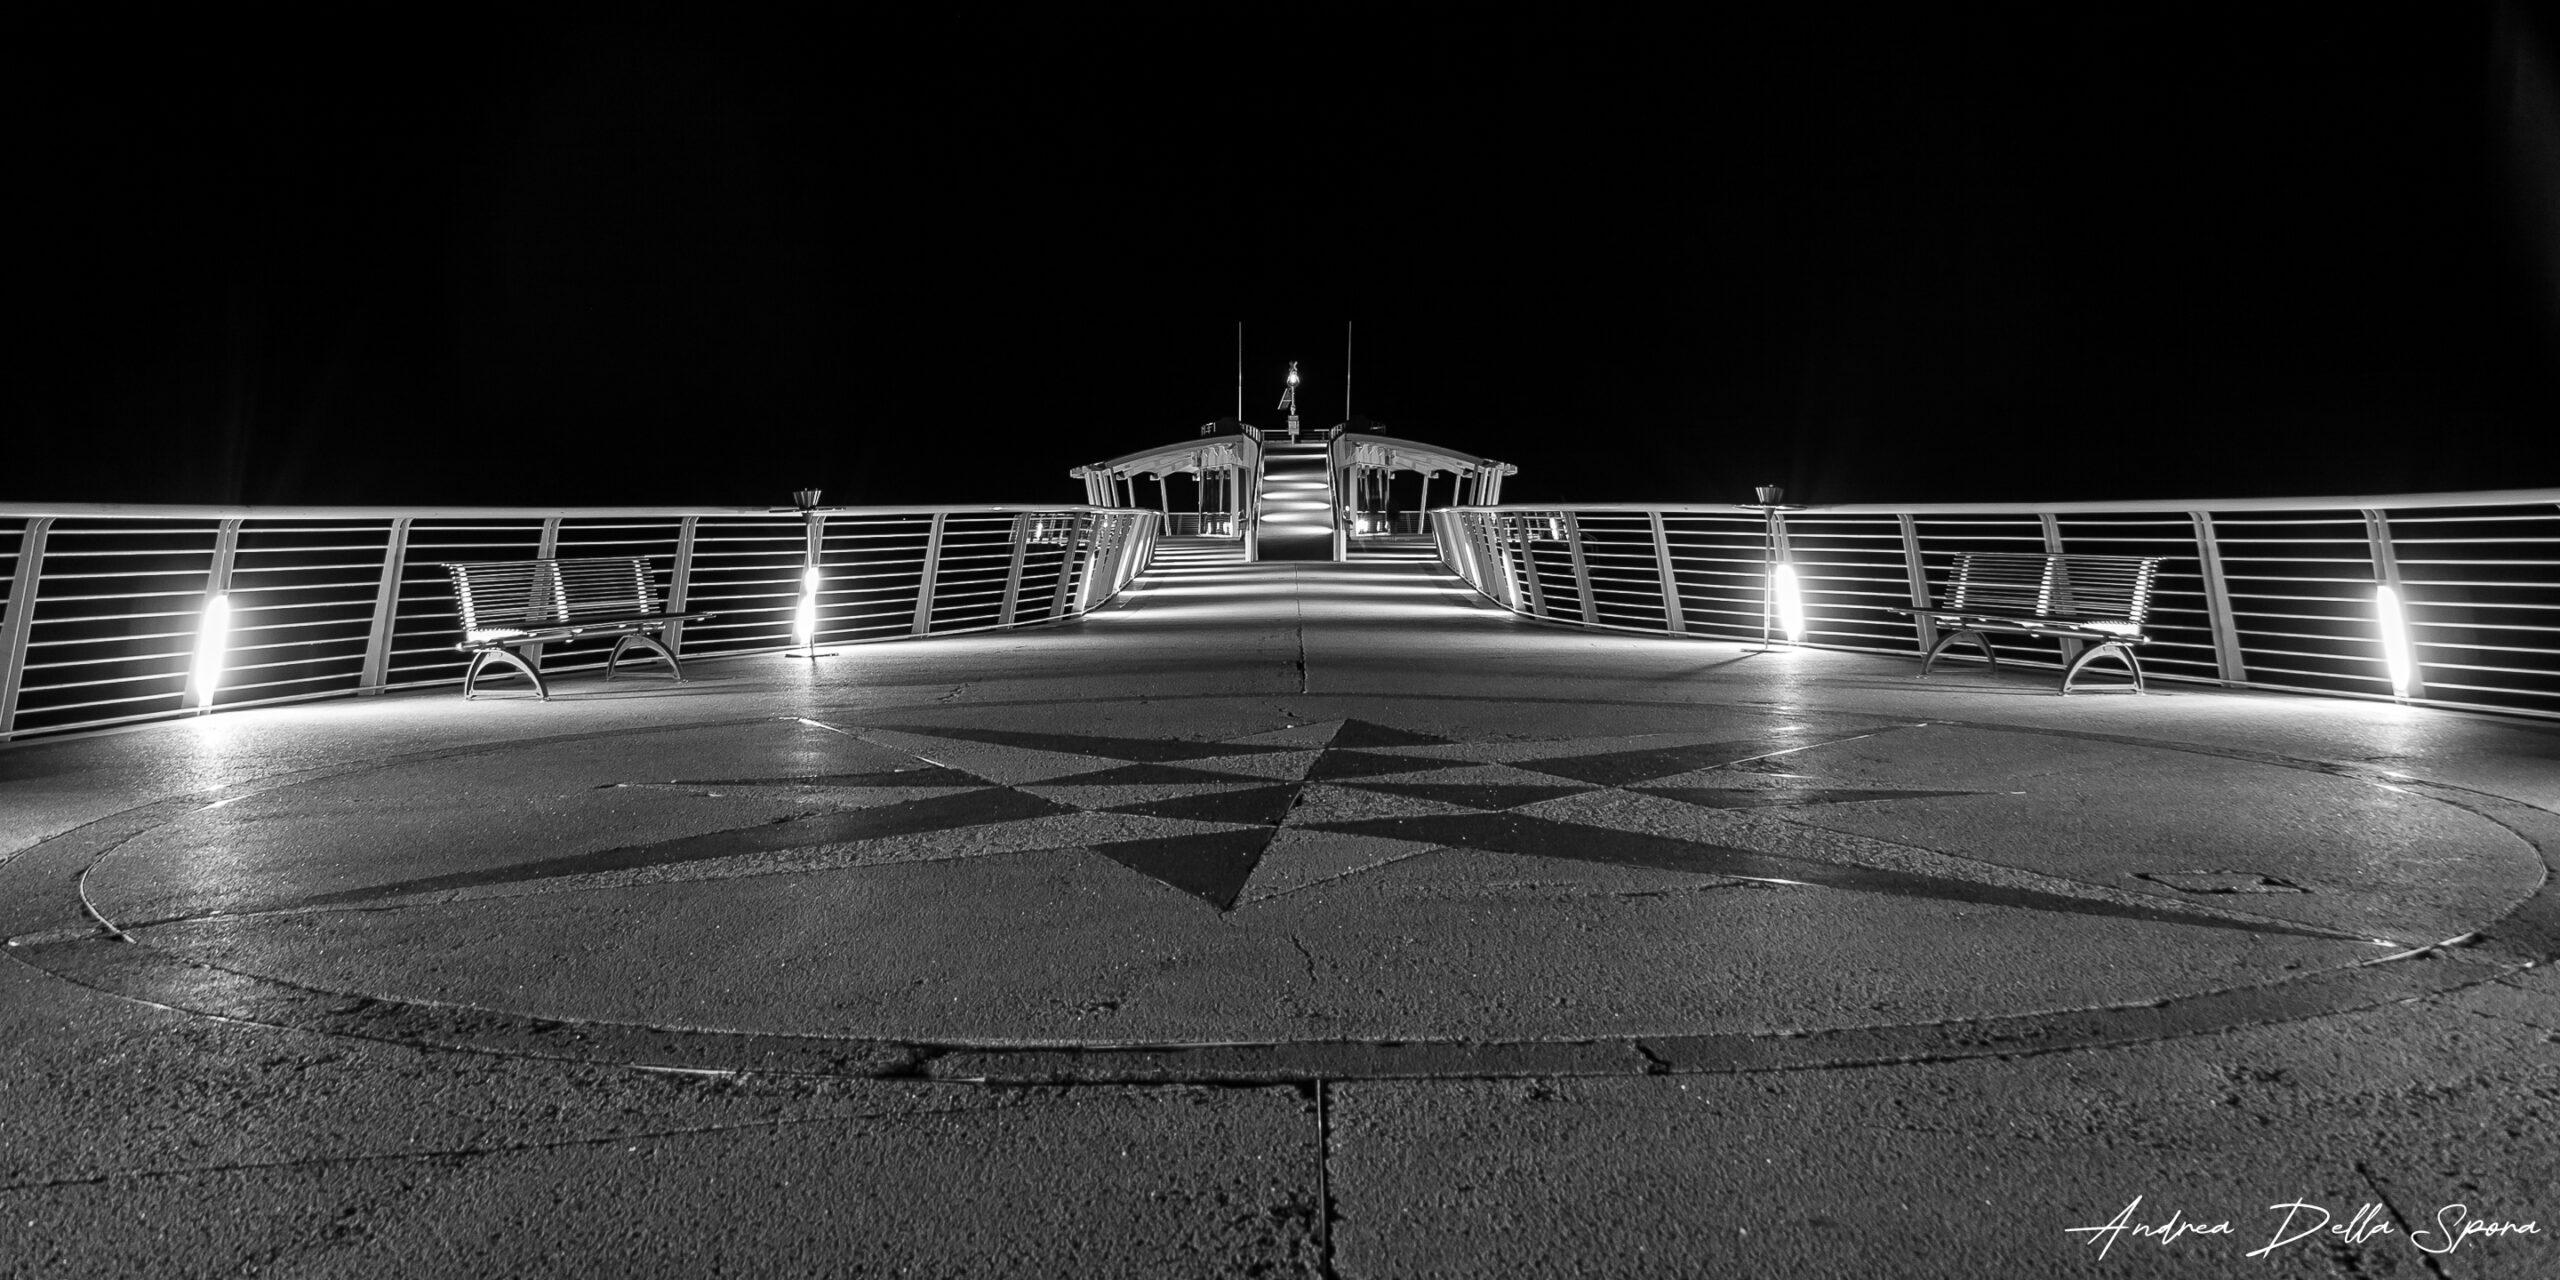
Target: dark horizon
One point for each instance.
(1992, 254)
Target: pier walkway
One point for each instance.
(1285, 918)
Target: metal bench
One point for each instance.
(507, 605)
(2099, 600)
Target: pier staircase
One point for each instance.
(1295, 501)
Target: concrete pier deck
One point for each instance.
(1285, 919)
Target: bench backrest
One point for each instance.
(495, 594)
(2107, 588)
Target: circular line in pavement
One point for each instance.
(50, 928)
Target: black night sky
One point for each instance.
(1916, 253)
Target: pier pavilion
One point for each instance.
(1349, 875)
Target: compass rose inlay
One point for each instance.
(1235, 822)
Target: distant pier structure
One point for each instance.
(1292, 497)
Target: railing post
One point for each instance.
(1342, 499)
(1581, 569)
(543, 549)
(18, 618)
(1069, 564)
(1096, 561)
(1110, 549)
(1779, 553)
(1675, 618)
(813, 574)
(1249, 517)
(1917, 571)
(2386, 572)
(386, 611)
(1013, 572)
(680, 581)
(2053, 547)
(226, 552)
(217, 581)
(1529, 567)
(1138, 560)
(2227, 660)
(932, 566)
(1494, 546)
(1464, 539)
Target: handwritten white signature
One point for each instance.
(2454, 1225)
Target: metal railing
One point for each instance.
(2262, 593)
(1380, 524)
(102, 607)
(1199, 524)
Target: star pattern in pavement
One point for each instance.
(1209, 814)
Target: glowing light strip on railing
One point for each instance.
(804, 620)
(2216, 653)
(1790, 604)
(213, 636)
(2395, 638)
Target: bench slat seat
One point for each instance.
(2099, 599)
(508, 604)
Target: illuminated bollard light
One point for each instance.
(213, 637)
(2394, 624)
(1790, 605)
(804, 623)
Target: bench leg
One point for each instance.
(648, 642)
(1950, 638)
(480, 662)
(2122, 652)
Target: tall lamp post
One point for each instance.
(1780, 601)
(1289, 399)
(804, 617)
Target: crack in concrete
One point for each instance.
(474, 1152)
(1324, 1182)
(2551, 1029)
(2398, 1218)
(1300, 599)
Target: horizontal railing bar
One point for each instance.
(2363, 502)
(2480, 667)
(125, 659)
(184, 511)
(136, 678)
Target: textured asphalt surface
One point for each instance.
(1290, 919)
